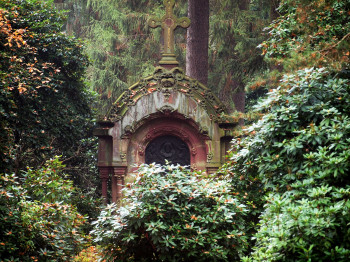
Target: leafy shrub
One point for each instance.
(299, 152)
(44, 103)
(37, 220)
(305, 226)
(173, 214)
(310, 33)
(90, 254)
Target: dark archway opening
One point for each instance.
(169, 148)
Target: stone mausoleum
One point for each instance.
(165, 116)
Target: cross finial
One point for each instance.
(169, 22)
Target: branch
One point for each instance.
(333, 46)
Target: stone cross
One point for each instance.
(169, 22)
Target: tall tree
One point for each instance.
(235, 31)
(127, 49)
(44, 103)
(198, 40)
(298, 152)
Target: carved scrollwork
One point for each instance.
(220, 109)
(194, 84)
(204, 130)
(143, 83)
(193, 151)
(179, 74)
(166, 109)
(126, 95)
(209, 96)
(129, 129)
(203, 104)
(166, 93)
(167, 82)
(157, 73)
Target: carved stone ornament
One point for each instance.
(167, 82)
(129, 129)
(210, 157)
(123, 156)
(169, 22)
(170, 148)
(166, 109)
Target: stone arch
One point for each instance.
(168, 126)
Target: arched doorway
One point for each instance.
(169, 148)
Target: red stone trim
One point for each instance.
(104, 175)
(181, 129)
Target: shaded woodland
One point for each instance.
(283, 195)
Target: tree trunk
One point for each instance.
(273, 9)
(198, 40)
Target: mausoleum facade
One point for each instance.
(165, 116)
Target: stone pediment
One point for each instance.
(167, 82)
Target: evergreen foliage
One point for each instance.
(44, 103)
(38, 221)
(235, 31)
(173, 214)
(294, 160)
(123, 49)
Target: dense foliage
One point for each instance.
(128, 49)
(172, 214)
(295, 158)
(307, 34)
(44, 103)
(310, 33)
(45, 111)
(38, 221)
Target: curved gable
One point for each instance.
(167, 82)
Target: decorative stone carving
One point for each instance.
(123, 156)
(169, 148)
(166, 109)
(210, 157)
(204, 130)
(193, 151)
(167, 82)
(129, 129)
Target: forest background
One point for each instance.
(289, 169)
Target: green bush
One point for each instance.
(173, 214)
(37, 219)
(305, 226)
(299, 152)
(44, 102)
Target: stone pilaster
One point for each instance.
(104, 175)
(118, 182)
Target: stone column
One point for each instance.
(104, 175)
(118, 182)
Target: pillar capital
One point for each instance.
(104, 172)
(119, 171)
